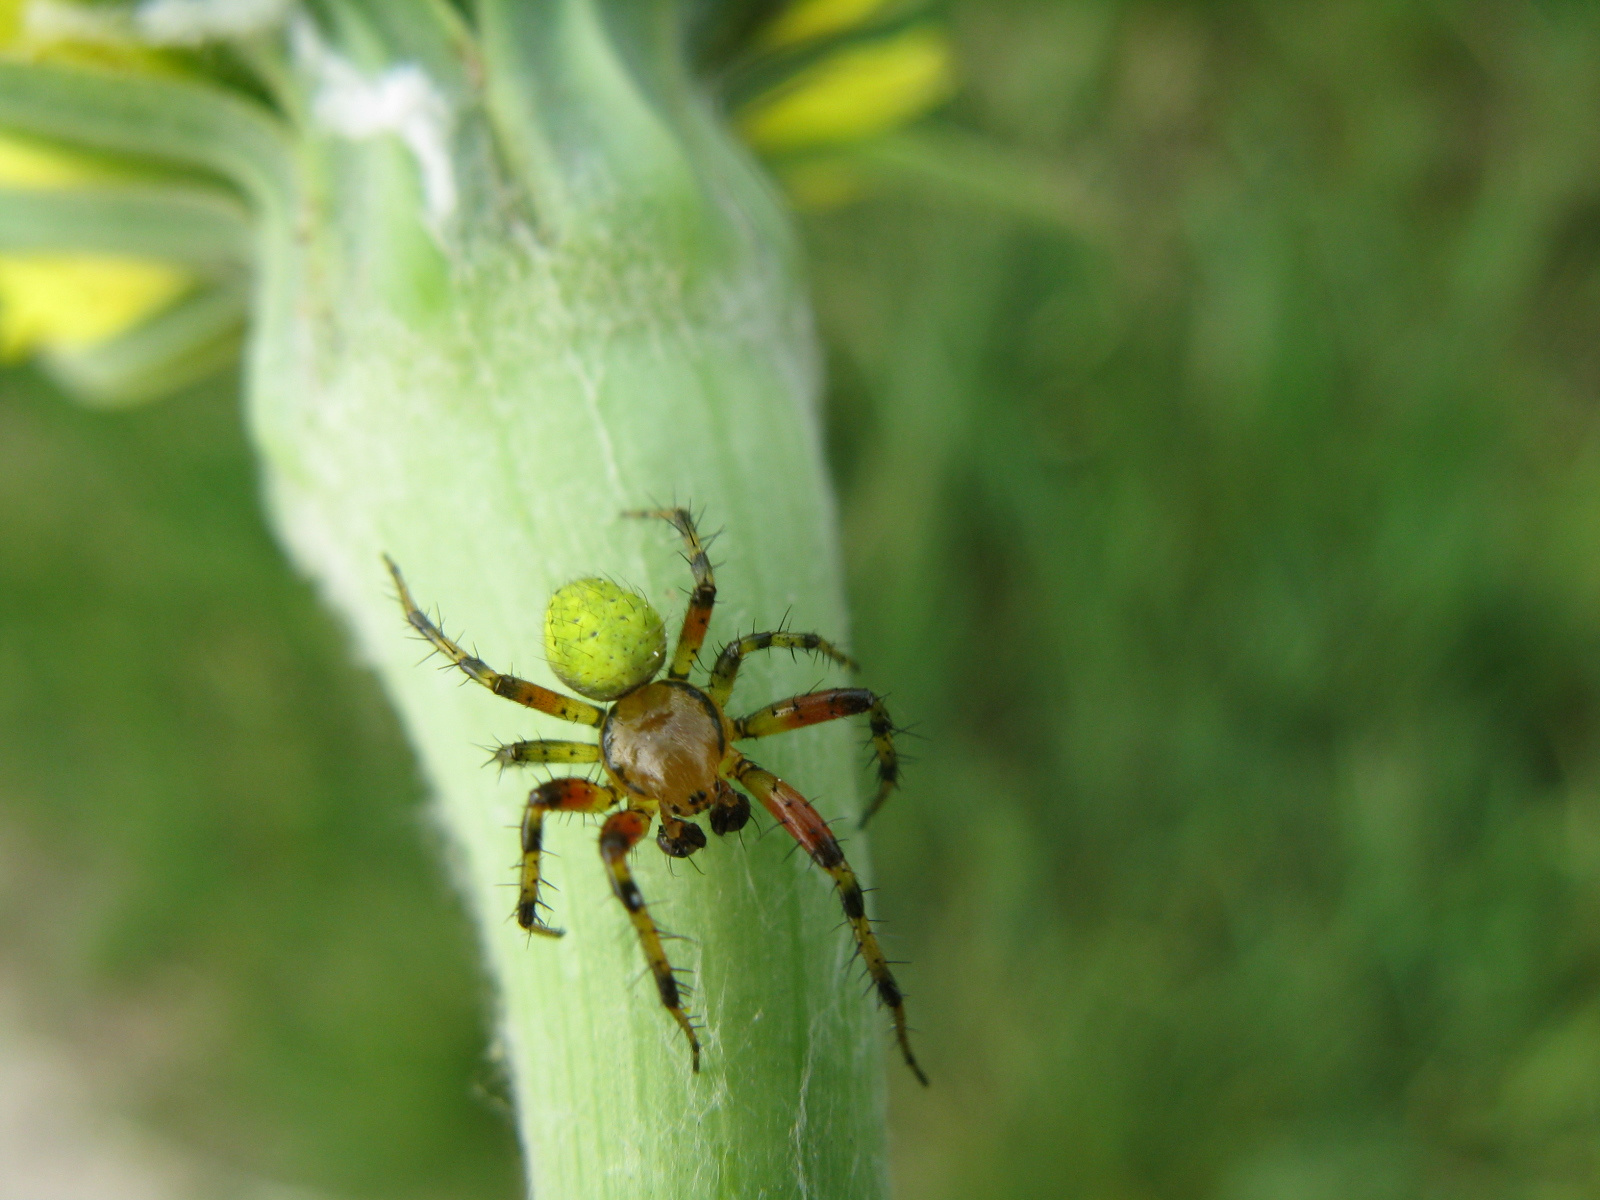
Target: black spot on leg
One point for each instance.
(528, 914)
(668, 987)
(628, 892)
(532, 832)
(827, 855)
(889, 992)
(846, 702)
(855, 905)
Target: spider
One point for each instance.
(666, 747)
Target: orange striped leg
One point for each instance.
(620, 834)
(727, 668)
(808, 828)
(559, 795)
(817, 707)
(520, 691)
(701, 600)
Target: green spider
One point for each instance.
(667, 749)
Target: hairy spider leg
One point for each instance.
(808, 828)
(529, 695)
(559, 795)
(728, 662)
(620, 834)
(697, 617)
(539, 750)
(816, 707)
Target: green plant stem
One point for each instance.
(526, 284)
(178, 123)
(481, 399)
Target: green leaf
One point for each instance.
(175, 122)
(206, 230)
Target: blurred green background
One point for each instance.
(1214, 410)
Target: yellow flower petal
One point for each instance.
(861, 91)
(69, 301)
(805, 20)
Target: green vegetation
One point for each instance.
(1213, 410)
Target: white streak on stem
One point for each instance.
(401, 101)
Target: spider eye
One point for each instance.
(601, 639)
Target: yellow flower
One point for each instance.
(861, 91)
(69, 301)
(807, 20)
(63, 302)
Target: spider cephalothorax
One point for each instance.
(667, 748)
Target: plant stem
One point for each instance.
(595, 327)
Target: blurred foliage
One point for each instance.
(217, 878)
(1231, 542)
(1221, 508)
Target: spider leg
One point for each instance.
(559, 795)
(698, 616)
(510, 754)
(620, 834)
(809, 829)
(530, 695)
(816, 707)
(727, 668)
